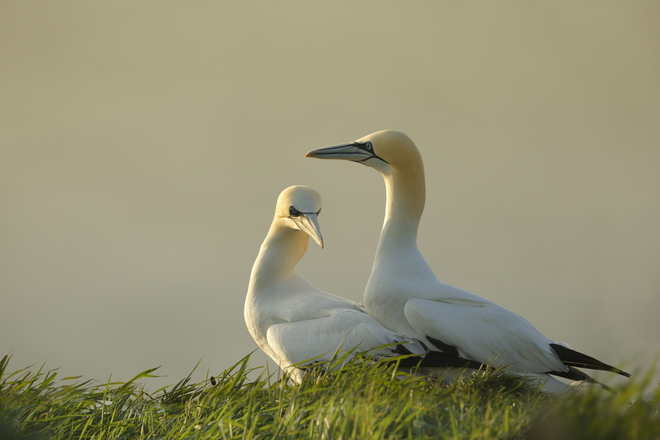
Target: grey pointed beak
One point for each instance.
(355, 152)
(352, 151)
(309, 223)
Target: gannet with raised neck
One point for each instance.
(291, 320)
(404, 294)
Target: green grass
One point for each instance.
(359, 401)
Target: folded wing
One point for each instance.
(342, 330)
(483, 331)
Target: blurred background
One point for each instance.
(143, 146)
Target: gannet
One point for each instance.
(291, 320)
(404, 294)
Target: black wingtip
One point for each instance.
(400, 349)
(574, 358)
(575, 374)
(436, 359)
(439, 359)
(449, 349)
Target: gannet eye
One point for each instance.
(369, 146)
(293, 211)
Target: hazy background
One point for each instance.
(143, 145)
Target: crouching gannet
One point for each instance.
(293, 321)
(404, 294)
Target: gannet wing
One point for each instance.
(483, 331)
(320, 338)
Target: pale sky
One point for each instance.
(143, 146)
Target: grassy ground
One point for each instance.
(360, 401)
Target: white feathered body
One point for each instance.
(292, 321)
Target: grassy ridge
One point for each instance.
(359, 401)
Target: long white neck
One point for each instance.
(280, 252)
(398, 260)
(406, 195)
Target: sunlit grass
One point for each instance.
(362, 400)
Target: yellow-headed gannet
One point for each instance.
(293, 321)
(404, 294)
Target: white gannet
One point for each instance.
(404, 294)
(291, 320)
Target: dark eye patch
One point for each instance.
(369, 148)
(293, 212)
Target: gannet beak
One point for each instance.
(354, 151)
(309, 223)
(347, 151)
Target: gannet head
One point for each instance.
(385, 151)
(298, 207)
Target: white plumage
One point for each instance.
(290, 319)
(404, 294)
